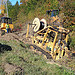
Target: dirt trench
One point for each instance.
(16, 36)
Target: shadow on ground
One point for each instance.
(4, 47)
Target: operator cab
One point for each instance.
(52, 12)
(4, 21)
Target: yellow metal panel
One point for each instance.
(11, 26)
(27, 31)
(3, 26)
(54, 43)
(39, 37)
(66, 38)
(45, 36)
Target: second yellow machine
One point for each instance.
(4, 21)
(50, 36)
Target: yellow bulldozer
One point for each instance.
(7, 20)
(50, 36)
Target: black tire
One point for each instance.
(2, 32)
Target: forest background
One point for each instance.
(29, 9)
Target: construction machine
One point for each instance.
(49, 36)
(4, 21)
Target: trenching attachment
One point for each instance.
(38, 24)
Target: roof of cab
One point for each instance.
(5, 18)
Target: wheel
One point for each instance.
(2, 32)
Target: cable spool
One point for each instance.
(38, 24)
(44, 23)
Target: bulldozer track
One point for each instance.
(41, 50)
(48, 56)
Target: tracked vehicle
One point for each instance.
(50, 37)
(5, 20)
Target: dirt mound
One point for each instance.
(16, 36)
(11, 69)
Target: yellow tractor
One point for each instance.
(7, 20)
(52, 38)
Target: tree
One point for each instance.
(16, 8)
(68, 8)
(14, 11)
(9, 6)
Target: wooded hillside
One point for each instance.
(29, 9)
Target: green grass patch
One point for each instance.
(30, 62)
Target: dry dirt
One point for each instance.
(10, 68)
(16, 36)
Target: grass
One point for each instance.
(72, 45)
(30, 62)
